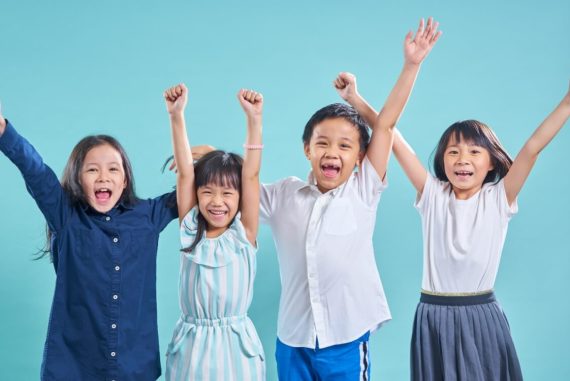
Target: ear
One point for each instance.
(307, 149)
(125, 184)
(361, 156)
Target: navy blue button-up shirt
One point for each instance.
(103, 318)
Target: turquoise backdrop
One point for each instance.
(72, 68)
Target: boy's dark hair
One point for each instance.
(339, 110)
(71, 184)
(220, 168)
(477, 133)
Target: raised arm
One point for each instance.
(383, 124)
(252, 104)
(176, 98)
(523, 163)
(415, 51)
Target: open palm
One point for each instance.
(417, 48)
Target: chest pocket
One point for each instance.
(87, 243)
(339, 218)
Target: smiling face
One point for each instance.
(102, 177)
(466, 166)
(218, 204)
(334, 151)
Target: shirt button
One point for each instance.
(114, 326)
(107, 218)
(115, 240)
(115, 296)
(117, 268)
(113, 354)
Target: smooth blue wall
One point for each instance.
(72, 68)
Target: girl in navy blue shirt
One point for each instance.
(103, 242)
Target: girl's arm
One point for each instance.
(415, 51)
(523, 163)
(176, 98)
(252, 104)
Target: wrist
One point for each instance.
(2, 125)
(176, 115)
(408, 65)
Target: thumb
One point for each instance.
(408, 38)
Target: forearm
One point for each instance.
(549, 128)
(363, 108)
(396, 102)
(181, 146)
(252, 157)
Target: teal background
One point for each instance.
(72, 68)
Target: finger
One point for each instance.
(409, 38)
(258, 98)
(436, 37)
(420, 28)
(434, 30)
(428, 29)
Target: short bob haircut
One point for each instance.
(71, 179)
(220, 168)
(338, 110)
(474, 132)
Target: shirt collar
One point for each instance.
(312, 184)
(120, 205)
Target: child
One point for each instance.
(103, 242)
(460, 330)
(332, 297)
(218, 205)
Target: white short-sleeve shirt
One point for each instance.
(463, 239)
(330, 286)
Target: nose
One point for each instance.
(103, 176)
(331, 153)
(217, 199)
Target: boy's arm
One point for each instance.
(523, 163)
(252, 104)
(176, 98)
(404, 153)
(415, 51)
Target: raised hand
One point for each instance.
(176, 98)
(251, 102)
(417, 48)
(345, 85)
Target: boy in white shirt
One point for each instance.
(332, 296)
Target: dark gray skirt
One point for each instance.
(463, 338)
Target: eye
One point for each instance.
(228, 193)
(113, 169)
(475, 151)
(345, 146)
(452, 152)
(91, 170)
(321, 144)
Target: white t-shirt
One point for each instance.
(463, 239)
(330, 286)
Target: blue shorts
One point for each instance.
(343, 362)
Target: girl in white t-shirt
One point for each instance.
(460, 330)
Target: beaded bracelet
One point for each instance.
(253, 146)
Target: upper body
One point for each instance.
(463, 239)
(331, 289)
(103, 317)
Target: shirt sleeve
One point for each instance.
(41, 182)
(506, 210)
(164, 210)
(370, 183)
(424, 200)
(267, 196)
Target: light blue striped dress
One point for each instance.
(214, 339)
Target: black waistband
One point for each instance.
(459, 300)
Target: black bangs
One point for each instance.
(219, 168)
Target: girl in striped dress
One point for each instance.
(218, 205)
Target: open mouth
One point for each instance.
(217, 213)
(463, 174)
(330, 170)
(103, 194)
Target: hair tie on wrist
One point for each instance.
(253, 146)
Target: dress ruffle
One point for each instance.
(213, 252)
